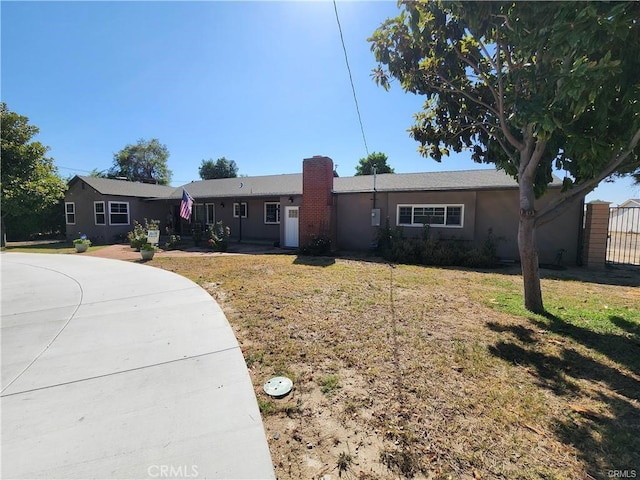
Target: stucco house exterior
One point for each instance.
(104, 209)
(290, 209)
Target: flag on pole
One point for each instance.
(185, 205)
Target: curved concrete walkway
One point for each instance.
(118, 370)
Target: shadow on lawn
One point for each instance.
(54, 245)
(314, 261)
(607, 440)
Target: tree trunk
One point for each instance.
(529, 263)
(528, 251)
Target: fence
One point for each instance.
(623, 243)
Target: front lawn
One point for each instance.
(46, 247)
(418, 372)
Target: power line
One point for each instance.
(353, 89)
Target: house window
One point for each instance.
(432, 215)
(118, 213)
(240, 210)
(99, 213)
(70, 212)
(210, 210)
(271, 212)
(198, 213)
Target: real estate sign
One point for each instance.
(153, 237)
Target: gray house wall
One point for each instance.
(497, 210)
(353, 212)
(253, 227)
(84, 199)
(354, 215)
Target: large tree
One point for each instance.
(376, 159)
(146, 161)
(31, 186)
(221, 168)
(528, 86)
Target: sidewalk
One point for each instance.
(119, 370)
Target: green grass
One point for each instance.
(330, 384)
(593, 312)
(57, 247)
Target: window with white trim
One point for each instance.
(118, 213)
(271, 212)
(240, 210)
(99, 214)
(432, 215)
(198, 213)
(70, 212)
(210, 210)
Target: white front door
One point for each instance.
(291, 227)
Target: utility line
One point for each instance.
(353, 89)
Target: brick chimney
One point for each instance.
(317, 209)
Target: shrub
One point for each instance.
(426, 250)
(319, 245)
(218, 237)
(138, 236)
(173, 242)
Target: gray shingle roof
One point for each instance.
(124, 188)
(459, 180)
(265, 186)
(291, 184)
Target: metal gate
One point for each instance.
(623, 242)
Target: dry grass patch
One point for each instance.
(418, 372)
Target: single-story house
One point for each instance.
(104, 209)
(290, 209)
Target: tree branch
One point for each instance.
(466, 95)
(534, 161)
(566, 199)
(497, 96)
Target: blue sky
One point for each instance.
(261, 83)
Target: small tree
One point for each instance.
(528, 86)
(31, 186)
(221, 168)
(375, 159)
(146, 161)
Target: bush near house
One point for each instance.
(318, 245)
(394, 246)
(138, 236)
(218, 237)
(173, 242)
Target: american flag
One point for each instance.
(185, 205)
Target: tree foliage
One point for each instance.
(146, 161)
(527, 86)
(221, 168)
(374, 159)
(31, 186)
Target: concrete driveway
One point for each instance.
(112, 369)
